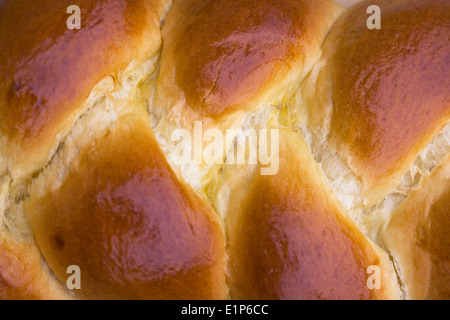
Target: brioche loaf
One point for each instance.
(356, 121)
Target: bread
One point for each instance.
(279, 239)
(418, 240)
(330, 181)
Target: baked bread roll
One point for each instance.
(417, 238)
(358, 93)
(347, 200)
(288, 237)
(379, 113)
(222, 59)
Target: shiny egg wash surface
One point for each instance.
(46, 63)
(135, 231)
(390, 86)
(225, 53)
(288, 239)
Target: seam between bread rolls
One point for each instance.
(338, 174)
(5, 182)
(14, 226)
(104, 106)
(19, 189)
(397, 272)
(14, 194)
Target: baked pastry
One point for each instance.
(342, 192)
(417, 237)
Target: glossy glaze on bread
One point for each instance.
(88, 178)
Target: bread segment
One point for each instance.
(48, 71)
(113, 206)
(222, 56)
(380, 96)
(22, 274)
(222, 59)
(417, 238)
(289, 238)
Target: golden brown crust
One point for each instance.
(222, 56)
(47, 71)
(21, 273)
(418, 238)
(288, 237)
(80, 164)
(389, 88)
(135, 231)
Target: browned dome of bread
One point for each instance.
(122, 216)
(289, 238)
(382, 94)
(47, 71)
(222, 59)
(222, 56)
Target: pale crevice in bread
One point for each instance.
(13, 215)
(342, 180)
(200, 176)
(188, 172)
(224, 181)
(429, 158)
(98, 92)
(175, 107)
(347, 186)
(4, 191)
(197, 175)
(3, 163)
(13, 220)
(148, 91)
(14, 227)
(164, 12)
(55, 285)
(120, 86)
(231, 177)
(98, 114)
(99, 119)
(397, 271)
